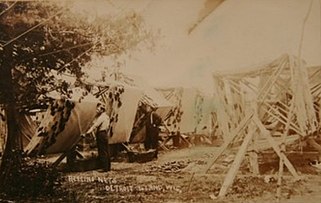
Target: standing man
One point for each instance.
(100, 128)
(152, 130)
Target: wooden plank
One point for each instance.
(238, 106)
(63, 155)
(276, 148)
(264, 69)
(229, 102)
(253, 156)
(185, 140)
(252, 152)
(298, 157)
(235, 86)
(229, 140)
(283, 149)
(222, 114)
(284, 84)
(292, 125)
(282, 119)
(268, 85)
(305, 112)
(236, 164)
(250, 85)
(279, 182)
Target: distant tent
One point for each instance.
(205, 110)
(26, 128)
(123, 102)
(150, 96)
(146, 95)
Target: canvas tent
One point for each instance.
(145, 95)
(63, 124)
(150, 98)
(26, 128)
(123, 102)
(150, 95)
(67, 119)
(205, 113)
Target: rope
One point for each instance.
(32, 28)
(64, 49)
(60, 69)
(7, 9)
(303, 30)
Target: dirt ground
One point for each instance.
(175, 177)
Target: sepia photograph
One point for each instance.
(147, 101)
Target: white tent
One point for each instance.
(66, 120)
(63, 124)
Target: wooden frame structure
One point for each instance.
(267, 101)
(190, 115)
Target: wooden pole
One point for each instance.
(230, 139)
(236, 164)
(253, 157)
(250, 104)
(222, 114)
(283, 149)
(276, 148)
(268, 84)
(280, 175)
(292, 125)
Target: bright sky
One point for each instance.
(238, 34)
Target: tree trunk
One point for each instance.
(12, 154)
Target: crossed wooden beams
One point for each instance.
(285, 77)
(256, 126)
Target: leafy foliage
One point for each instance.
(33, 179)
(40, 39)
